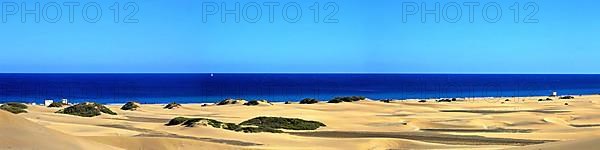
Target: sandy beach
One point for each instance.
(479, 123)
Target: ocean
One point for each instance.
(208, 88)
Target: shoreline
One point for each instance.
(325, 101)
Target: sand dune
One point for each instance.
(148, 143)
(579, 144)
(492, 123)
(20, 133)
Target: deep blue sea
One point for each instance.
(203, 88)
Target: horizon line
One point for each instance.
(497, 73)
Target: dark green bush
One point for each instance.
(192, 122)
(259, 124)
(444, 100)
(283, 123)
(257, 102)
(87, 109)
(567, 97)
(231, 126)
(172, 105)
(547, 99)
(56, 104)
(177, 121)
(12, 109)
(309, 101)
(252, 103)
(346, 99)
(130, 106)
(17, 105)
(257, 130)
(231, 101)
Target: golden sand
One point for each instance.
(491, 123)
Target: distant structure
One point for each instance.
(554, 94)
(65, 101)
(48, 102)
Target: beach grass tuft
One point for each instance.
(17, 105)
(172, 105)
(346, 99)
(255, 125)
(87, 109)
(177, 121)
(283, 123)
(130, 106)
(309, 101)
(231, 101)
(15, 108)
(257, 130)
(257, 102)
(56, 104)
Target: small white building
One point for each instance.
(64, 101)
(48, 102)
(554, 94)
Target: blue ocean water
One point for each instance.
(203, 88)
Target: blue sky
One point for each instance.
(370, 37)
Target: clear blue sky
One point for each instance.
(369, 37)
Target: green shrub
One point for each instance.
(346, 99)
(192, 122)
(17, 105)
(257, 102)
(252, 103)
(177, 121)
(283, 123)
(172, 105)
(309, 101)
(56, 104)
(231, 101)
(12, 109)
(130, 106)
(444, 100)
(257, 130)
(231, 126)
(567, 97)
(86, 109)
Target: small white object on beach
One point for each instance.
(554, 94)
(65, 101)
(48, 102)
